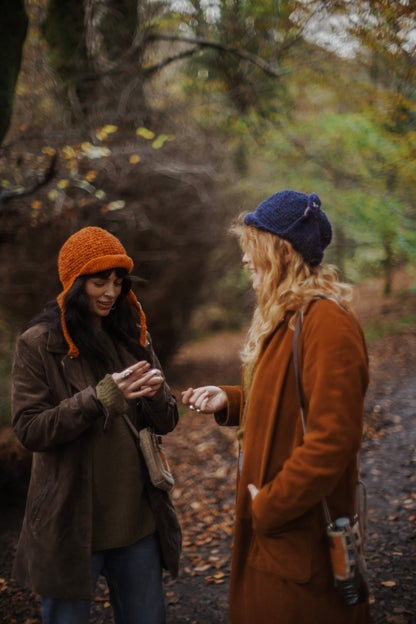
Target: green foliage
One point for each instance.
(349, 160)
(376, 331)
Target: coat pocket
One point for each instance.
(288, 555)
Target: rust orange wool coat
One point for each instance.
(280, 569)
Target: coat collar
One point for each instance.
(72, 366)
(56, 342)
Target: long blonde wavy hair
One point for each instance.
(287, 283)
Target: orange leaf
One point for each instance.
(388, 583)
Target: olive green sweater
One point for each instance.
(121, 510)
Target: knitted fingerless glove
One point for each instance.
(111, 398)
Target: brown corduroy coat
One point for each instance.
(280, 569)
(53, 414)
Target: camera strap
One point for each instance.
(295, 352)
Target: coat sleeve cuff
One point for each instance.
(111, 397)
(230, 416)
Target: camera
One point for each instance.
(347, 559)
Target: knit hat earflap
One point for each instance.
(92, 250)
(297, 218)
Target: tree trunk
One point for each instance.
(93, 54)
(340, 248)
(121, 17)
(64, 31)
(388, 266)
(13, 28)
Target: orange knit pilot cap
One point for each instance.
(92, 250)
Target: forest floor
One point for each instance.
(203, 458)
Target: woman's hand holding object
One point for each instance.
(139, 380)
(206, 399)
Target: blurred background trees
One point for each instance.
(162, 120)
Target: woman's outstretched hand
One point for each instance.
(207, 399)
(139, 380)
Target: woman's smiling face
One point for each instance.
(256, 272)
(102, 294)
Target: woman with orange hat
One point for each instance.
(81, 365)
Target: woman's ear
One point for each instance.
(287, 251)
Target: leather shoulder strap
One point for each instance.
(295, 353)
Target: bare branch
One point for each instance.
(42, 180)
(243, 54)
(170, 59)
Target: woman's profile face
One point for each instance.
(256, 271)
(102, 293)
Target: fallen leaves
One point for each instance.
(204, 494)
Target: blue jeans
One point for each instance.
(134, 578)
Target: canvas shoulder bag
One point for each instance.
(155, 459)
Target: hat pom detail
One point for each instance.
(314, 205)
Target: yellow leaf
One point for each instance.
(91, 175)
(145, 133)
(50, 151)
(36, 205)
(116, 205)
(161, 140)
(109, 129)
(134, 159)
(102, 133)
(95, 151)
(68, 152)
(53, 194)
(100, 194)
(62, 184)
(158, 143)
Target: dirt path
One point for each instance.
(389, 470)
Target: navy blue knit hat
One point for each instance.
(297, 218)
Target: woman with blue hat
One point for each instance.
(291, 466)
